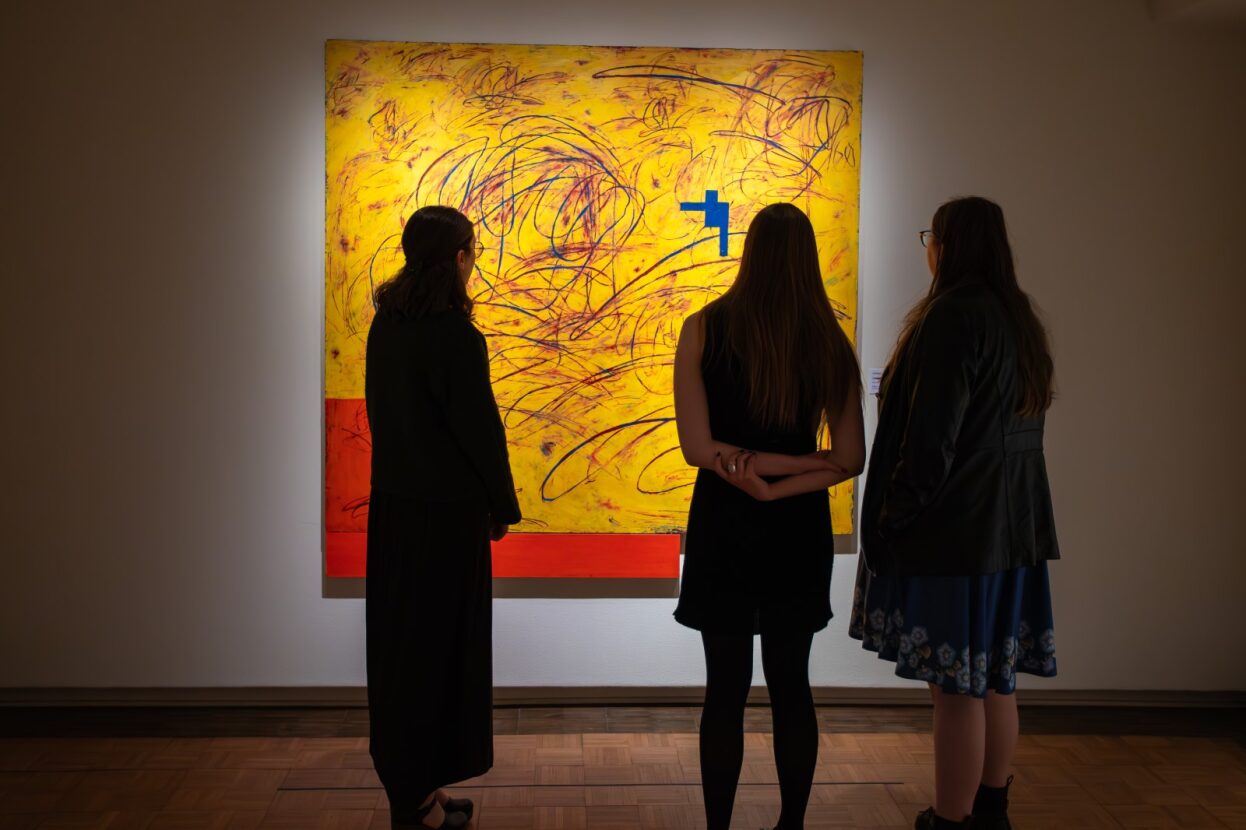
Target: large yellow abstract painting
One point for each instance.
(612, 188)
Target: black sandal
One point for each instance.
(452, 821)
(459, 805)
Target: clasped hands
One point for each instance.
(739, 470)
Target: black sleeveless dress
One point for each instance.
(752, 567)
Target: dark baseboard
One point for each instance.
(535, 696)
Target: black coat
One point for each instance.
(957, 481)
(436, 432)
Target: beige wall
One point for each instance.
(162, 322)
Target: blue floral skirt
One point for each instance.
(966, 634)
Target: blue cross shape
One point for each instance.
(715, 216)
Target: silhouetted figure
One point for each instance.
(956, 520)
(441, 489)
(758, 373)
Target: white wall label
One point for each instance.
(876, 379)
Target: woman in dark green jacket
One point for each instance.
(441, 490)
(956, 520)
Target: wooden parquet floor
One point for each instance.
(566, 780)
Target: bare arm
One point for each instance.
(692, 416)
(848, 436)
(847, 452)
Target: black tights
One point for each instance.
(728, 676)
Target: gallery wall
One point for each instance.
(162, 321)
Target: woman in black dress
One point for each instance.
(441, 489)
(758, 373)
(956, 521)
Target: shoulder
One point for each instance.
(449, 327)
(693, 328)
(966, 306)
(446, 338)
(383, 333)
(959, 321)
(709, 316)
(966, 298)
(691, 344)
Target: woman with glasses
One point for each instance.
(441, 490)
(759, 373)
(957, 524)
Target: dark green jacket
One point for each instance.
(436, 432)
(957, 481)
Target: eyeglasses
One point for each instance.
(478, 247)
(925, 237)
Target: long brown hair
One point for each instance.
(973, 248)
(429, 282)
(780, 325)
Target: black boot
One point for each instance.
(927, 820)
(990, 807)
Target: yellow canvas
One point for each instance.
(581, 167)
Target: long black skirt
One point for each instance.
(430, 646)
